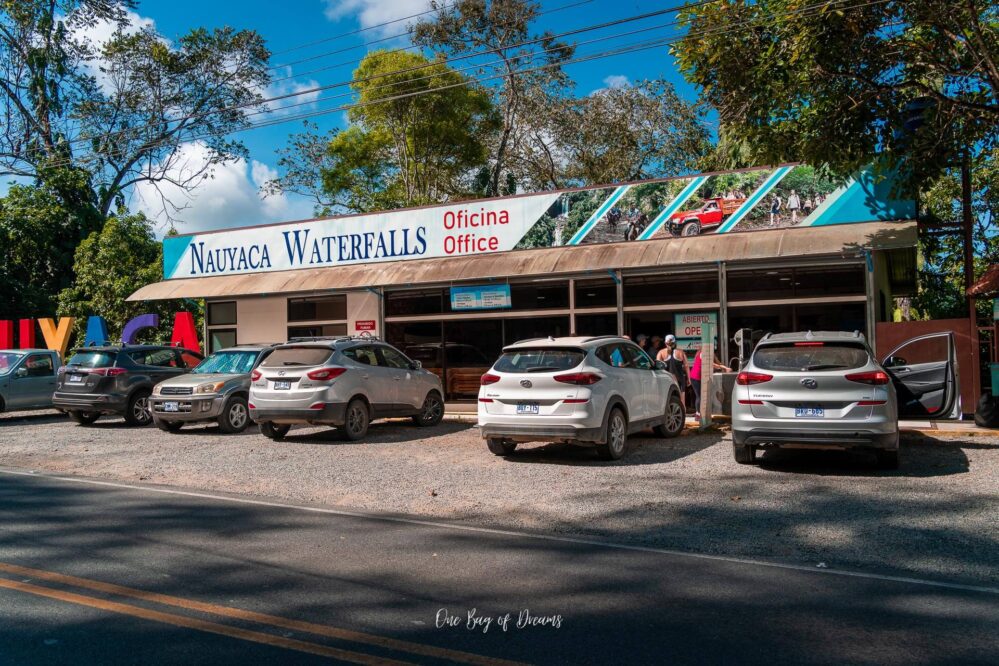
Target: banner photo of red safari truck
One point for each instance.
(750, 199)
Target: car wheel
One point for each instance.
(274, 431)
(887, 459)
(235, 415)
(169, 426)
(501, 447)
(356, 420)
(138, 412)
(432, 411)
(674, 418)
(84, 418)
(745, 454)
(691, 229)
(617, 437)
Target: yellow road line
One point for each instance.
(199, 625)
(259, 618)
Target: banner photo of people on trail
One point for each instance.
(715, 203)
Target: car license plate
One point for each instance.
(76, 379)
(171, 406)
(810, 412)
(279, 386)
(527, 408)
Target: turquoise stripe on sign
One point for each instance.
(599, 213)
(174, 248)
(673, 206)
(755, 198)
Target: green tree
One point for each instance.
(831, 84)
(120, 112)
(497, 37)
(109, 266)
(39, 233)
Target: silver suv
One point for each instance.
(343, 382)
(215, 390)
(815, 390)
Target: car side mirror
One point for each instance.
(416, 365)
(21, 372)
(895, 362)
(660, 365)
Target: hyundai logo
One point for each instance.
(526, 383)
(810, 383)
(281, 373)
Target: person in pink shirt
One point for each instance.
(695, 379)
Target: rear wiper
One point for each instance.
(292, 363)
(827, 366)
(542, 369)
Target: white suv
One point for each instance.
(588, 391)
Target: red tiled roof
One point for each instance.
(988, 284)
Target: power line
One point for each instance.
(663, 41)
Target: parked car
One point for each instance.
(117, 380)
(27, 378)
(708, 216)
(343, 382)
(590, 391)
(827, 390)
(217, 389)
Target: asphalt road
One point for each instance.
(93, 572)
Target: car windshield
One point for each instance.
(93, 359)
(539, 360)
(7, 361)
(227, 363)
(810, 356)
(290, 356)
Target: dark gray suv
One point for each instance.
(97, 381)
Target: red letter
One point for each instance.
(6, 334)
(185, 333)
(26, 333)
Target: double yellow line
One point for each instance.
(274, 621)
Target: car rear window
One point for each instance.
(93, 359)
(810, 356)
(539, 360)
(297, 356)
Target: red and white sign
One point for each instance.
(365, 325)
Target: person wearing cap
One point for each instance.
(676, 363)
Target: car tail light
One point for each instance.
(809, 344)
(579, 378)
(750, 402)
(747, 378)
(488, 379)
(325, 374)
(251, 405)
(576, 401)
(485, 399)
(255, 376)
(871, 403)
(108, 372)
(874, 378)
(317, 405)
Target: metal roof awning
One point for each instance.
(988, 284)
(669, 253)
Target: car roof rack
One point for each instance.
(335, 338)
(604, 337)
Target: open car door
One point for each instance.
(924, 371)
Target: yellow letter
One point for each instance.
(57, 339)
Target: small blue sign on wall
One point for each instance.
(488, 297)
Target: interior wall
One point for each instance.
(262, 319)
(365, 307)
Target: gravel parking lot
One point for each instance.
(937, 516)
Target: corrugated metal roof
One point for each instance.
(842, 239)
(988, 284)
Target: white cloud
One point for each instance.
(371, 13)
(230, 197)
(616, 81)
(283, 85)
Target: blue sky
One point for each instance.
(230, 199)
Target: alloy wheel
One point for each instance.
(238, 415)
(674, 416)
(617, 434)
(433, 409)
(140, 410)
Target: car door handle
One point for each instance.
(398, 379)
(901, 369)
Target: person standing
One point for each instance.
(794, 205)
(642, 341)
(775, 205)
(695, 378)
(676, 364)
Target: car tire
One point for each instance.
(356, 420)
(887, 458)
(616, 436)
(168, 426)
(431, 412)
(235, 415)
(138, 411)
(274, 431)
(501, 447)
(83, 418)
(745, 454)
(692, 228)
(675, 418)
